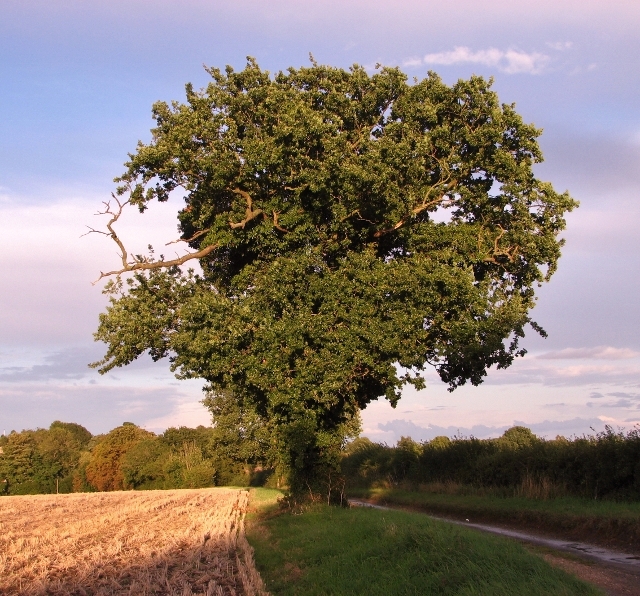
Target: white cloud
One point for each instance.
(580, 69)
(623, 399)
(596, 353)
(409, 62)
(617, 368)
(509, 61)
(560, 45)
(98, 407)
(185, 412)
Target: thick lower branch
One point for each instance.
(142, 265)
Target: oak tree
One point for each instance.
(352, 229)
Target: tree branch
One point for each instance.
(275, 224)
(196, 235)
(360, 218)
(250, 212)
(141, 263)
(115, 215)
(509, 252)
(415, 211)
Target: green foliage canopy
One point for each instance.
(42, 460)
(144, 464)
(346, 224)
(105, 468)
(239, 434)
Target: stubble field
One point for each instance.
(178, 542)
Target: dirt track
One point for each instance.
(614, 581)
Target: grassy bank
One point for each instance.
(607, 523)
(328, 550)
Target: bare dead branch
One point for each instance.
(142, 265)
(115, 215)
(250, 213)
(139, 263)
(94, 231)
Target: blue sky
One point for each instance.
(78, 80)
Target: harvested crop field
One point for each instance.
(178, 542)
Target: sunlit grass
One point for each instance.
(607, 523)
(329, 550)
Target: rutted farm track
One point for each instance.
(178, 542)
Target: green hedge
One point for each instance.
(605, 465)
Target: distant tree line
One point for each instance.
(238, 449)
(604, 465)
(66, 457)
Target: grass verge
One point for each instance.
(607, 523)
(328, 550)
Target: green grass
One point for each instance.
(566, 506)
(333, 551)
(604, 522)
(262, 496)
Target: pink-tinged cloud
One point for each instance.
(534, 372)
(48, 299)
(509, 61)
(596, 353)
(392, 430)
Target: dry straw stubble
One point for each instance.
(177, 542)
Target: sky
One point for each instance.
(78, 79)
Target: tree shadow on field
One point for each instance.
(211, 568)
